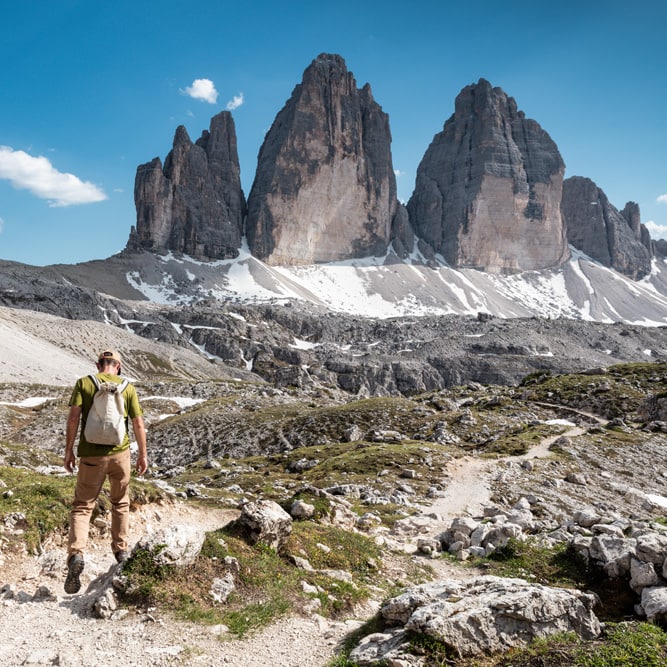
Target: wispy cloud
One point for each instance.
(662, 199)
(2, 225)
(40, 177)
(235, 102)
(202, 89)
(398, 173)
(657, 231)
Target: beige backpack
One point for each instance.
(105, 423)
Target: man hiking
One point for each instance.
(96, 399)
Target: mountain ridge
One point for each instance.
(488, 193)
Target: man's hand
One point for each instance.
(69, 461)
(73, 418)
(142, 464)
(140, 435)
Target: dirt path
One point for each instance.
(57, 628)
(468, 488)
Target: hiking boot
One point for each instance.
(121, 556)
(74, 569)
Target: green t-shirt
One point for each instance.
(82, 395)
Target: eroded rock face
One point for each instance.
(482, 615)
(193, 204)
(324, 189)
(488, 189)
(616, 239)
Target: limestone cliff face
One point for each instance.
(325, 188)
(488, 189)
(194, 204)
(616, 239)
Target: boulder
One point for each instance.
(478, 616)
(654, 604)
(608, 549)
(642, 575)
(265, 521)
(586, 517)
(222, 588)
(652, 548)
(302, 510)
(178, 544)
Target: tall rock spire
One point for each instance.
(194, 204)
(325, 188)
(614, 238)
(488, 188)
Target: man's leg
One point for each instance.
(89, 480)
(118, 470)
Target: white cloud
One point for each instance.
(235, 102)
(39, 176)
(398, 173)
(662, 199)
(2, 225)
(657, 231)
(202, 89)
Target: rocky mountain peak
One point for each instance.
(325, 188)
(594, 226)
(194, 204)
(488, 192)
(488, 189)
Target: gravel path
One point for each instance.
(41, 625)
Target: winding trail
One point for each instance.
(469, 478)
(58, 629)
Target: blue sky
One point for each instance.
(90, 90)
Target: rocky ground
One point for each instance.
(42, 625)
(584, 441)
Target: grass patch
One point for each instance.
(375, 466)
(519, 440)
(630, 644)
(530, 560)
(44, 502)
(619, 390)
(621, 644)
(13, 454)
(267, 585)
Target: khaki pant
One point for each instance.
(93, 470)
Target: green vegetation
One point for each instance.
(616, 391)
(145, 575)
(268, 584)
(44, 502)
(530, 560)
(620, 645)
(21, 455)
(380, 466)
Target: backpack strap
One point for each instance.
(121, 387)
